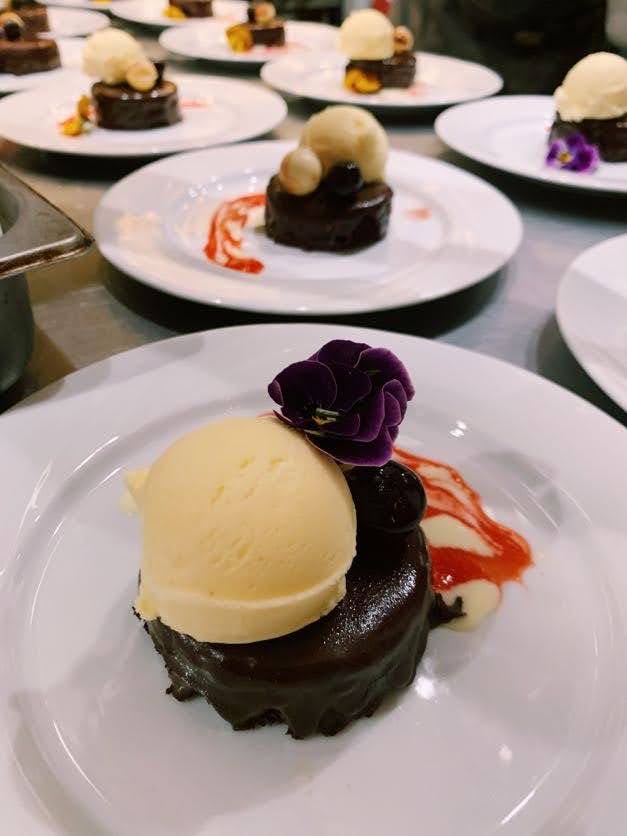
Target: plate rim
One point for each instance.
(271, 95)
(267, 70)
(167, 23)
(292, 310)
(441, 127)
(564, 289)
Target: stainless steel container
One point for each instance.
(34, 234)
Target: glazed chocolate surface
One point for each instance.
(35, 17)
(194, 8)
(23, 57)
(397, 71)
(122, 108)
(610, 135)
(268, 34)
(325, 221)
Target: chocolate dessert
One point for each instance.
(325, 220)
(397, 71)
(194, 8)
(263, 28)
(340, 668)
(122, 108)
(609, 135)
(19, 56)
(34, 15)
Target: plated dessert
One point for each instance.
(181, 9)
(591, 114)
(263, 28)
(380, 55)
(285, 575)
(20, 55)
(130, 94)
(34, 16)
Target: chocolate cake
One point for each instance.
(35, 17)
(121, 108)
(609, 135)
(21, 57)
(268, 34)
(342, 666)
(397, 71)
(194, 8)
(323, 220)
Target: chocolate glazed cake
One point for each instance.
(268, 34)
(324, 221)
(35, 18)
(340, 668)
(22, 57)
(194, 8)
(609, 135)
(397, 71)
(120, 107)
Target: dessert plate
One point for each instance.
(215, 111)
(510, 133)
(96, 5)
(440, 81)
(517, 728)
(150, 12)
(448, 230)
(208, 41)
(70, 51)
(592, 314)
(68, 23)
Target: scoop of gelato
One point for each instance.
(595, 88)
(108, 54)
(343, 133)
(367, 35)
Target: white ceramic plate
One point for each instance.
(448, 230)
(68, 23)
(518, 728)
(70, 51)
(96, 5)
(592, 314)
(215, 111)
(150, 12)
(440, 81)
(510, 133)
(207, 41)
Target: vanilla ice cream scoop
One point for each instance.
(108, 54)
(343, 133)
(595, 88)
(248, 532)
(367, 35)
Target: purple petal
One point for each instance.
(372, 414)
(395, 389)
(345, 352)
(274, 390)
(574, 142)
(555, 149)
(586, 160)
(383, 365)
(303, 386)
(393, 415)
(372, 454)
(393, 433)
(352, 386)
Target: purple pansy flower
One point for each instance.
(349, 400)
(573, 154)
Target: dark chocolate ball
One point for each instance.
(344, 179)
(12, 30)
(390, 498)
(250, 12)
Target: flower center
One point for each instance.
(322, 417)
(565, 157)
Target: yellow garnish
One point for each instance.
(78, 123)
(174, 12)
(72, 126)
(239, 37)
(83, 109)
(361, 82)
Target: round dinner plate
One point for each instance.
(150, 12)
(440, 81)
(510, 133)
(516, 728)
(207, 40)
(96, 5)
(592, 314)
(70, 52)
(215, 111)
(448, 230)
(68, 23)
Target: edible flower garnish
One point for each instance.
(348, 398)
(573, 153)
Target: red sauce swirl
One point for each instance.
(226, 232)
